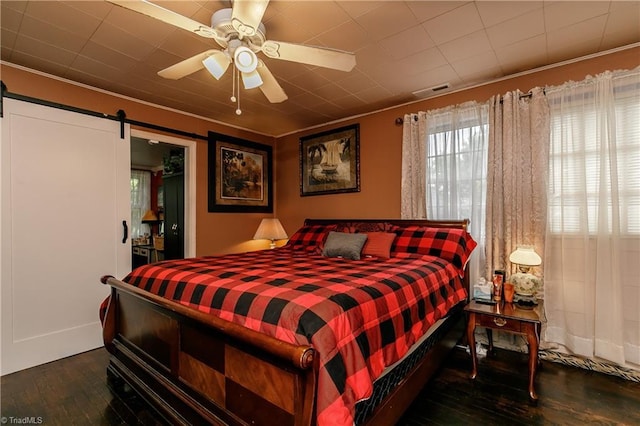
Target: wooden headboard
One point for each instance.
(461, 224)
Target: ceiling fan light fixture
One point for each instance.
(239, 31)
(245, 60)
(216, 65)
(251, 80)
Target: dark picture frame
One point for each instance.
(240, 175)
(330, 161)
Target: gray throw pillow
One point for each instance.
(341, 244)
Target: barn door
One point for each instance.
(65, 194)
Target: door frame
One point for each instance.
(189, 181)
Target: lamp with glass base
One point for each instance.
(526, 284)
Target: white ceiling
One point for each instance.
(401, 47)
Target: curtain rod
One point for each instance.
(120, 116)
(400, 121)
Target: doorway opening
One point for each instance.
(163, 219)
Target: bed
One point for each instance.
(332, 328)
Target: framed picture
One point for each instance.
(330, 162)
(240, 175)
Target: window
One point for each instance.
(140, 201)
(456, 171)
(594, 217)
(595, 160)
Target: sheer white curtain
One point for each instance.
(516, 184)
(140, 201)
(444, 168)
(592, 290)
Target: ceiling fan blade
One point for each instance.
(310, 55)
(165, 15)
(190, 65)
(247, 15)
(270, 87)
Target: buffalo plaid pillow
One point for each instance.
(310, 238)
(454, 245)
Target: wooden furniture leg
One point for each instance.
(508, 319)
(471, 338)
(490, 340)
(532, 340)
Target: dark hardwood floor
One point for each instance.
(73, 391)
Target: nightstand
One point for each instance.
(508, 317)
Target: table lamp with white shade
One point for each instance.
(270, 229)
(526, 284)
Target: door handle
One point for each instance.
(125, 234)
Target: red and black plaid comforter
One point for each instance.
(360, 316)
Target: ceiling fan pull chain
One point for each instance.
(237, 84)
(233, 84)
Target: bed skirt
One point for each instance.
(386, 384)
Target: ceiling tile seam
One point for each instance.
(45, 42)
(375, 39)
(510, 18)
(546, 31)
(89, 17)
(15, 39)
(75, 54)
(90, 39)
(57, 64)
(143, 42)
(74, 65)
(462, 4)
(604, 30)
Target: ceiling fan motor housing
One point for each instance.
(221, 22)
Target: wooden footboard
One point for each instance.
(196, 369)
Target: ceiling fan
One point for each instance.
(241, 35)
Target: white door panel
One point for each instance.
(65, 193)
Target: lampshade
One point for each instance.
(525, 255)
(270, 229)
(149, 216)
(251, 79)
(217, 64)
